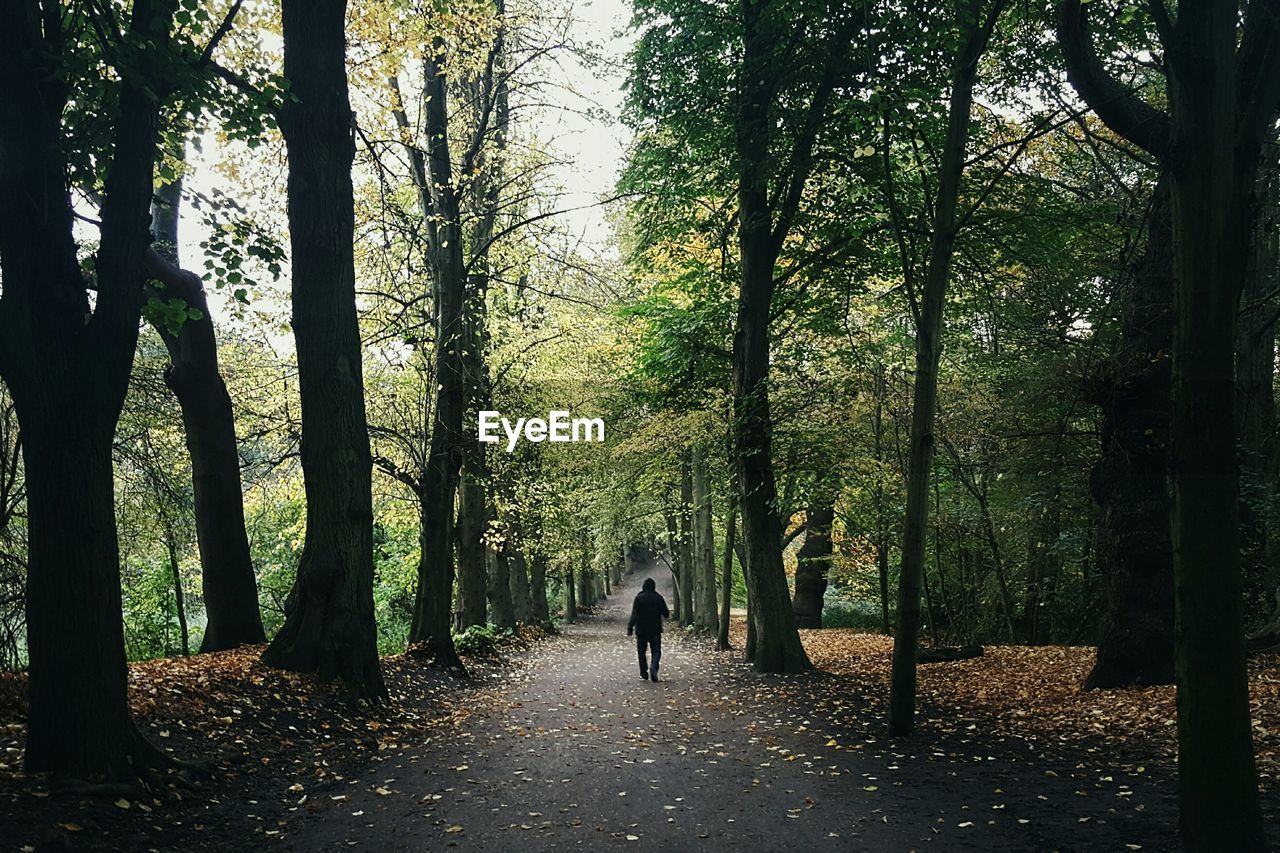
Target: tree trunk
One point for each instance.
(882, 570)
(976, 31)
(812, 564)
(777, 645)
(673, 543)
(1213, 175)
(504, 611)
(571, 594)
(1129, 483)
(329, 627)
(178, 597)
(688, 564)
(726, 576)
(434, 600)
(67, 366)
(472, 521)
(1255, 385)
(79, 720)
(226, 567)
(929, 609)
(538, 588)
(997, 563)
(706, 559)
(953, 625)
(520, 597)
(475, 585)
(677, 605)
(882, 516)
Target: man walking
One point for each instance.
(647, 613)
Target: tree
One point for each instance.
(706, 544)
(726, 576)
(1224, 90)
(812, 564)
(230, 589)
(976, 20)
(1130, 480)
(687, 564)
(472, 521)
(330, 627)
(67, 361)
(765, 217)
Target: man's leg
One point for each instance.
(655, 643)
(640, 649)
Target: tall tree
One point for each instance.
(329, 627)
(726, 577)
(442, 191)
(67, 360)
(504, 610)
(538, 588)
(486, 92)
(1224, 90)
(688, 568)
(472, 608)
(766, 212)
(226, 569)
(708, 618)
(434, 601)
(1130, 480)
(975, 20)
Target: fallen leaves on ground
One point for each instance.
(1031, 692)
(272, 735)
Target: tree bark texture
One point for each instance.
(329, 627)
(67, 367)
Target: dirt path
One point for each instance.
(577, 752)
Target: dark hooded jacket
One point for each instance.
(648, 611)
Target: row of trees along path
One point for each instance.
(575, 751)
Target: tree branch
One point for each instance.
(1121, 109)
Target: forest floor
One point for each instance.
(563, 746)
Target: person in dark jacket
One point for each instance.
(647, 613)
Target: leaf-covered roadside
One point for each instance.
(278, 741)
(1031, 693)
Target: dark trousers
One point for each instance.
(653, 642)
